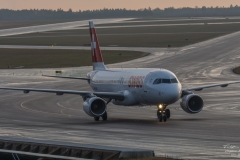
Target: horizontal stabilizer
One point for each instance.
(81, 78)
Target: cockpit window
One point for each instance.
(166, 81)
(174, 80)
(159, 81)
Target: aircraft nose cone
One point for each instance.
(172, 94)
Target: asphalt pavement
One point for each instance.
(56, 26)
(211, 134)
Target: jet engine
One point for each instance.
(94, 106)
(192, 103)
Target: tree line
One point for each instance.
(60, 14)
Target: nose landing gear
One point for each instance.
(162, 113)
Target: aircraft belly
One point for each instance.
(130, 99)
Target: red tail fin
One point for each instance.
(96, 52)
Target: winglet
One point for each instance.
(97, 59)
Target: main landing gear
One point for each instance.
(104, 117)
(162, 113)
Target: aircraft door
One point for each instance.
(146, 89)
(146, 83)
(121, 83)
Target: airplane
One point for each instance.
(130, 87)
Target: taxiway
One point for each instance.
(202, 136)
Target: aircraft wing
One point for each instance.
(81, 78)
(199, 88)
(111, 95)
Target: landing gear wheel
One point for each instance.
(164, 117)
(160, 118)
(168, 113)
(159, 113)
(104, 116)
(96, 118)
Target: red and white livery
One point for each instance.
(130, 87)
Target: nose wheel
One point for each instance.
(167, 112)
(163, 114)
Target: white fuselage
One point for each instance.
(140, 86)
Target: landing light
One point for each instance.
(160, 106)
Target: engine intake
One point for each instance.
(192, 103)
(94, 106)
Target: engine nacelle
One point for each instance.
(192, 103)
(94, 106)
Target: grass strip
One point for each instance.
(37, 58)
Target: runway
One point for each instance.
(83, 24)
(202, 136)
(57, 26)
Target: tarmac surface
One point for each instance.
(57, 26)
(84, 25)
(211, 134)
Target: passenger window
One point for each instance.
(166, 81)
(174, 80)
